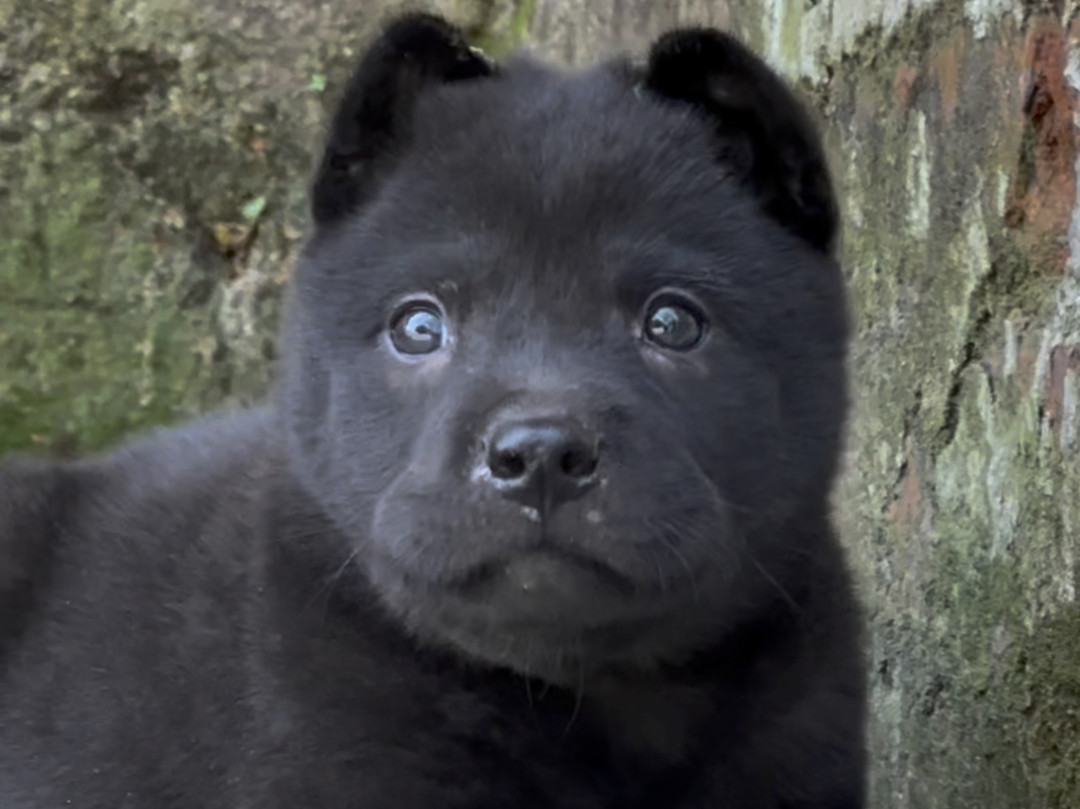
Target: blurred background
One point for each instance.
(154, 156)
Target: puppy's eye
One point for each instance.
(674, 324)
(417, 328)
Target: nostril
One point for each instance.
(507, 465)
(578, 462)
(542, 460)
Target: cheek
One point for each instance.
(732, 426)
(674, 367)
(724, 389)
(367, 429)
(411, 377)
(395, 417)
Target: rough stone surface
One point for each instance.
(153, 155)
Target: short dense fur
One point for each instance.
(364, 595)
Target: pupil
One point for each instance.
(673, 326)
(418, 330)
(423, 327)
(665, 321)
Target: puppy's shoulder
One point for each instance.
(145, 492)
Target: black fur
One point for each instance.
(415, 52)
(769, 138)
(551, 563)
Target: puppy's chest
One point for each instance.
(624, 743)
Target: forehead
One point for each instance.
(576, 152)
(540, 178)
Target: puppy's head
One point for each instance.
(565, 351)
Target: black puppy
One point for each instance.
(537, 516)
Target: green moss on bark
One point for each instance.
(137, 286)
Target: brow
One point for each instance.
(658, 262)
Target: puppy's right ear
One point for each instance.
(763, 132)
(413, 53)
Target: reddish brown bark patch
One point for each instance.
(908, 509)
(904, 88)
(1043, 192)
(945, 66)
(1063, 360)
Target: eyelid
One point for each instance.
(678, 296)
(400, 303)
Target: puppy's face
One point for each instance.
(561, 377)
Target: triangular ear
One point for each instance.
(764, 133)
(414, 52)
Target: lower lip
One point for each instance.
(548, 574)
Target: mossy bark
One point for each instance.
(952, 129)
(153, 166)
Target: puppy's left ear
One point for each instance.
(371, 128)
(764, 134)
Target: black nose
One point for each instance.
(543, 462)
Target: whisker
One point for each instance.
(682, 559)
(529, 693)
(579, 696)
(328, 585)
(661, 580)
(779, 587)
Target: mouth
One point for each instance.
(547, 573)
